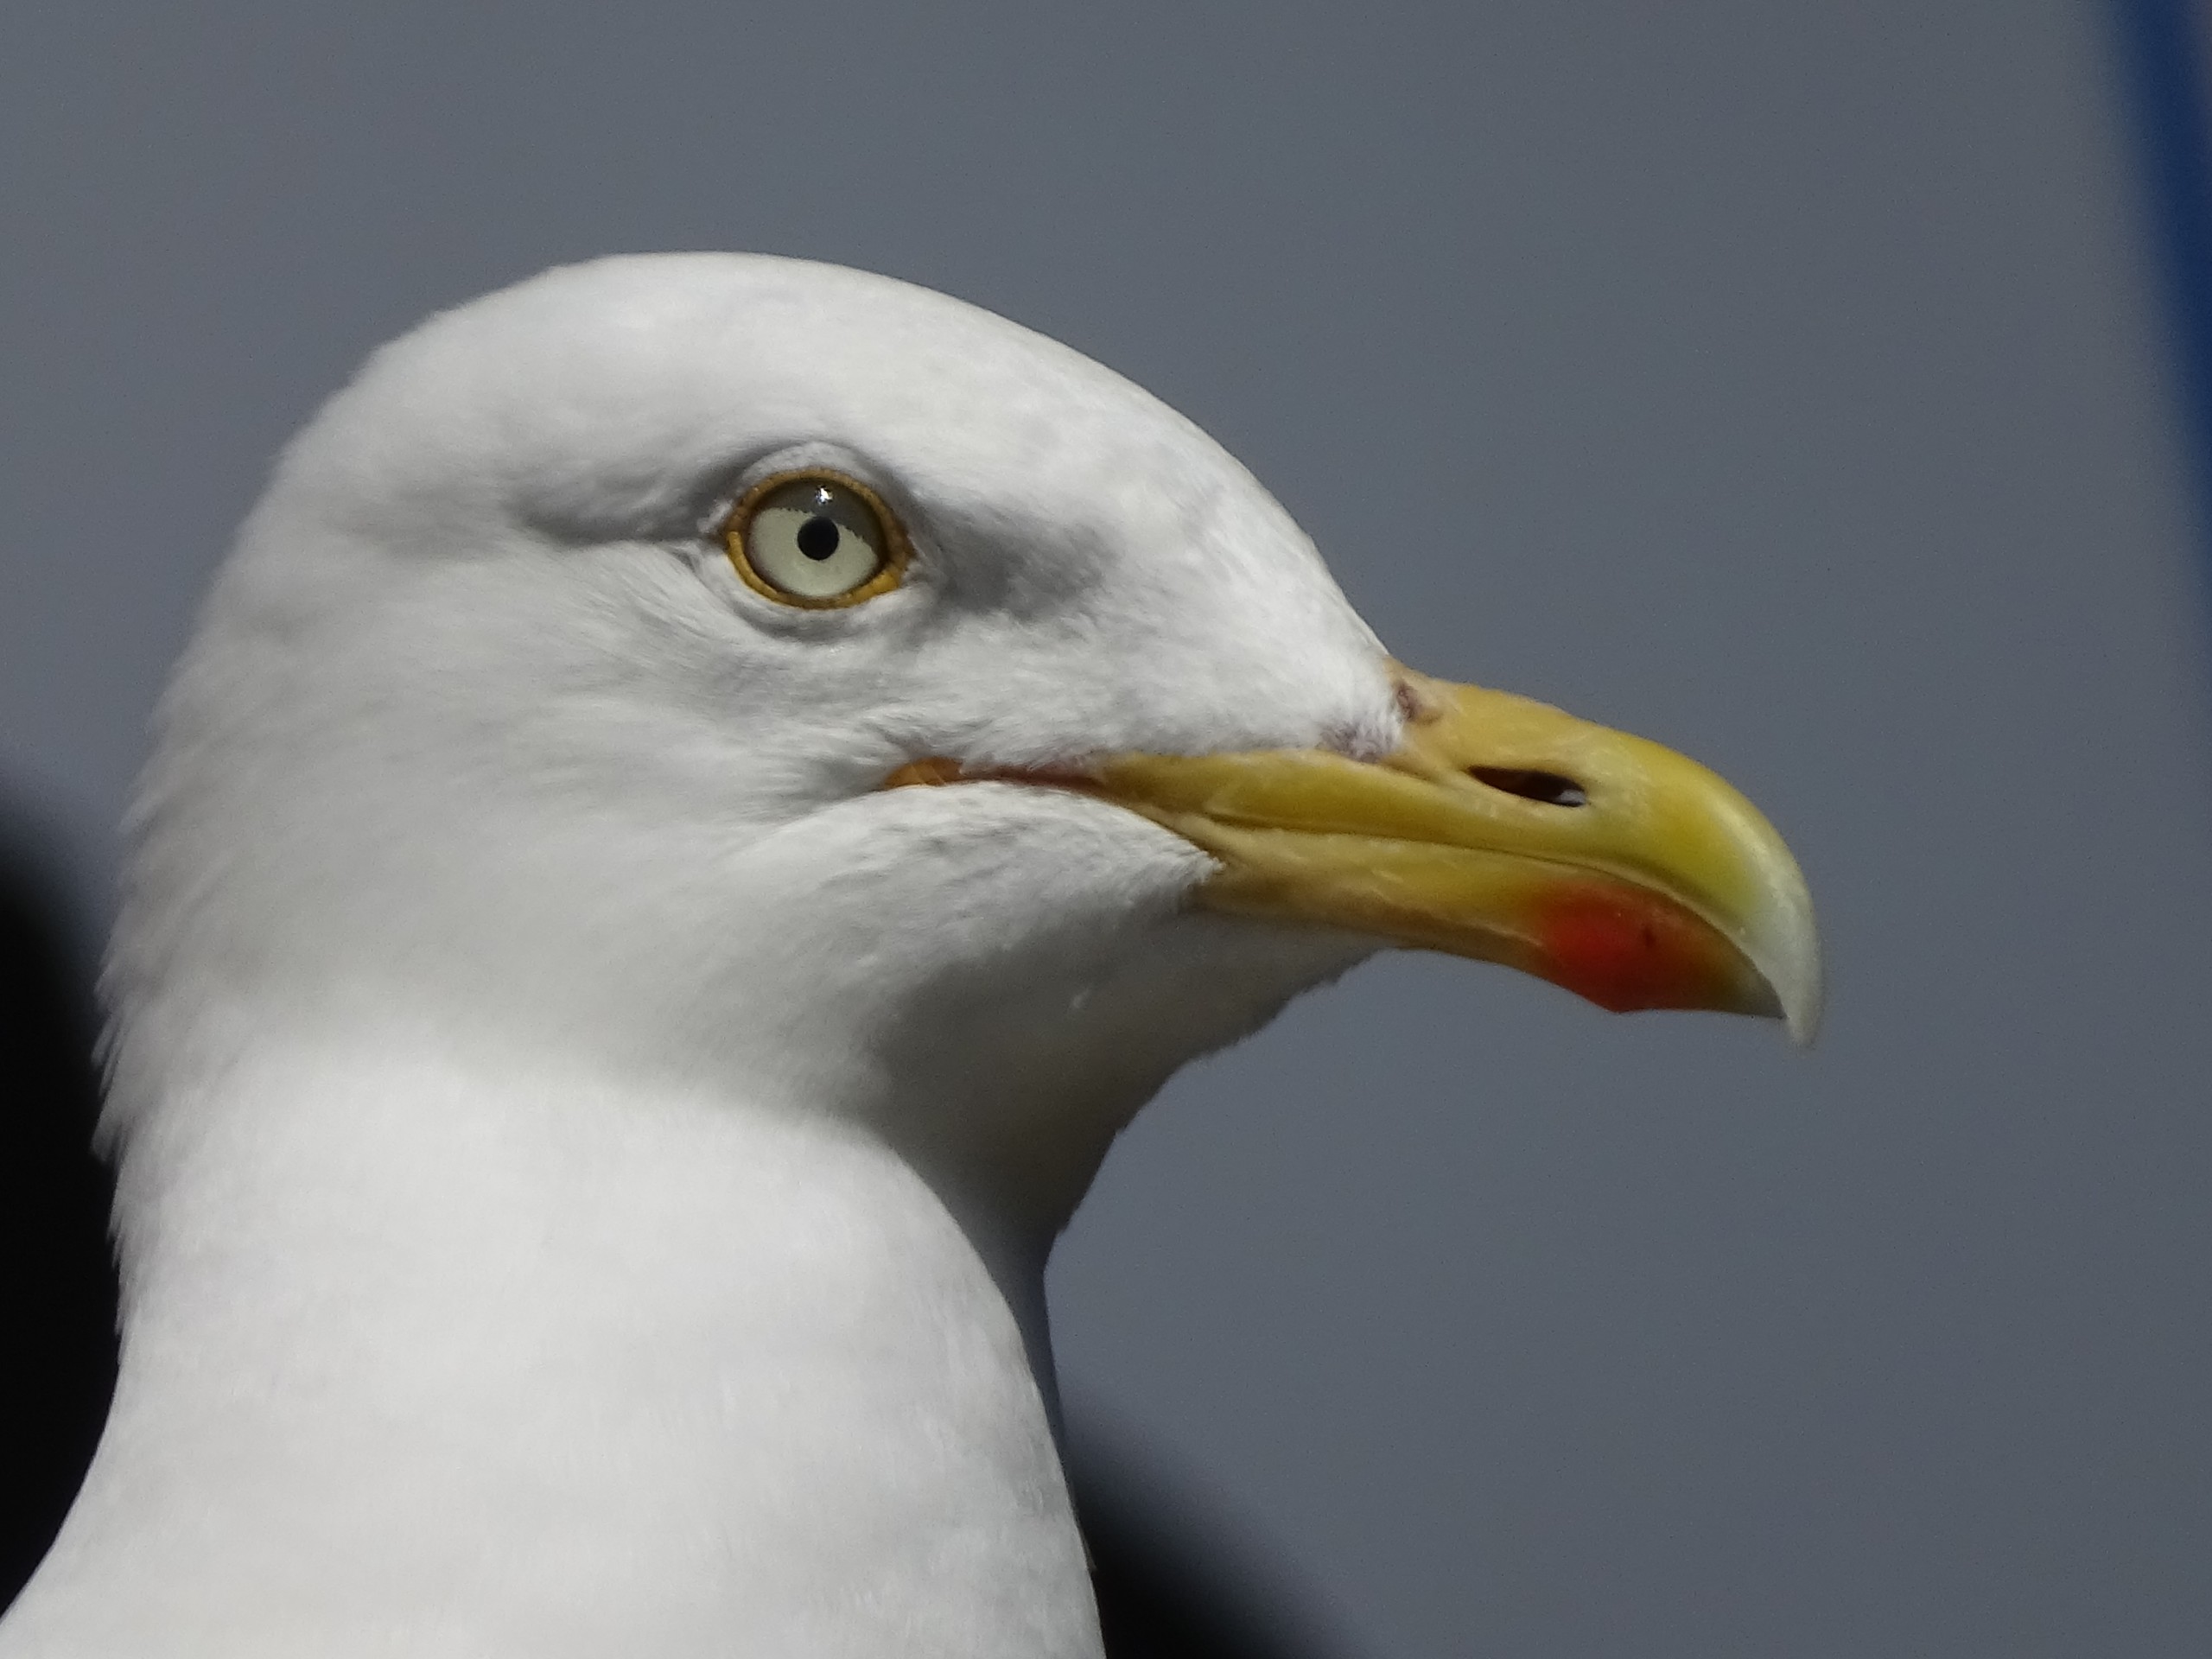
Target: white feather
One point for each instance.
(588, 1156)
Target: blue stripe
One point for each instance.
(2162, 45)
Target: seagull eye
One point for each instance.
(816, 539)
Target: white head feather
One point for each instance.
(524, 988)
(481, 727)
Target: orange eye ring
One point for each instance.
(816, 539)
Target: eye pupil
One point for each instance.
(818, 537)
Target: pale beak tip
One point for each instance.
(1798, 993)
(1791, 999)
(1804, 1023)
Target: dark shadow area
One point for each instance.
(57, 1273)
(1171, 1584)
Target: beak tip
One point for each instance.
(1803, 1025)
(1783, 949)
(1794, 1000)
(1799, 998)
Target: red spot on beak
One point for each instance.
(1624, 950)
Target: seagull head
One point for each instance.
(812, 687)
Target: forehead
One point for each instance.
(669, 360)
(613, 401)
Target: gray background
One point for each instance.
(1783, 382)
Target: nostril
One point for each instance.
(1546, 787)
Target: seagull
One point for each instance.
(708, 792)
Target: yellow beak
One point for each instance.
(1501, 829)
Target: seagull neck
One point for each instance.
(389, 1325)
